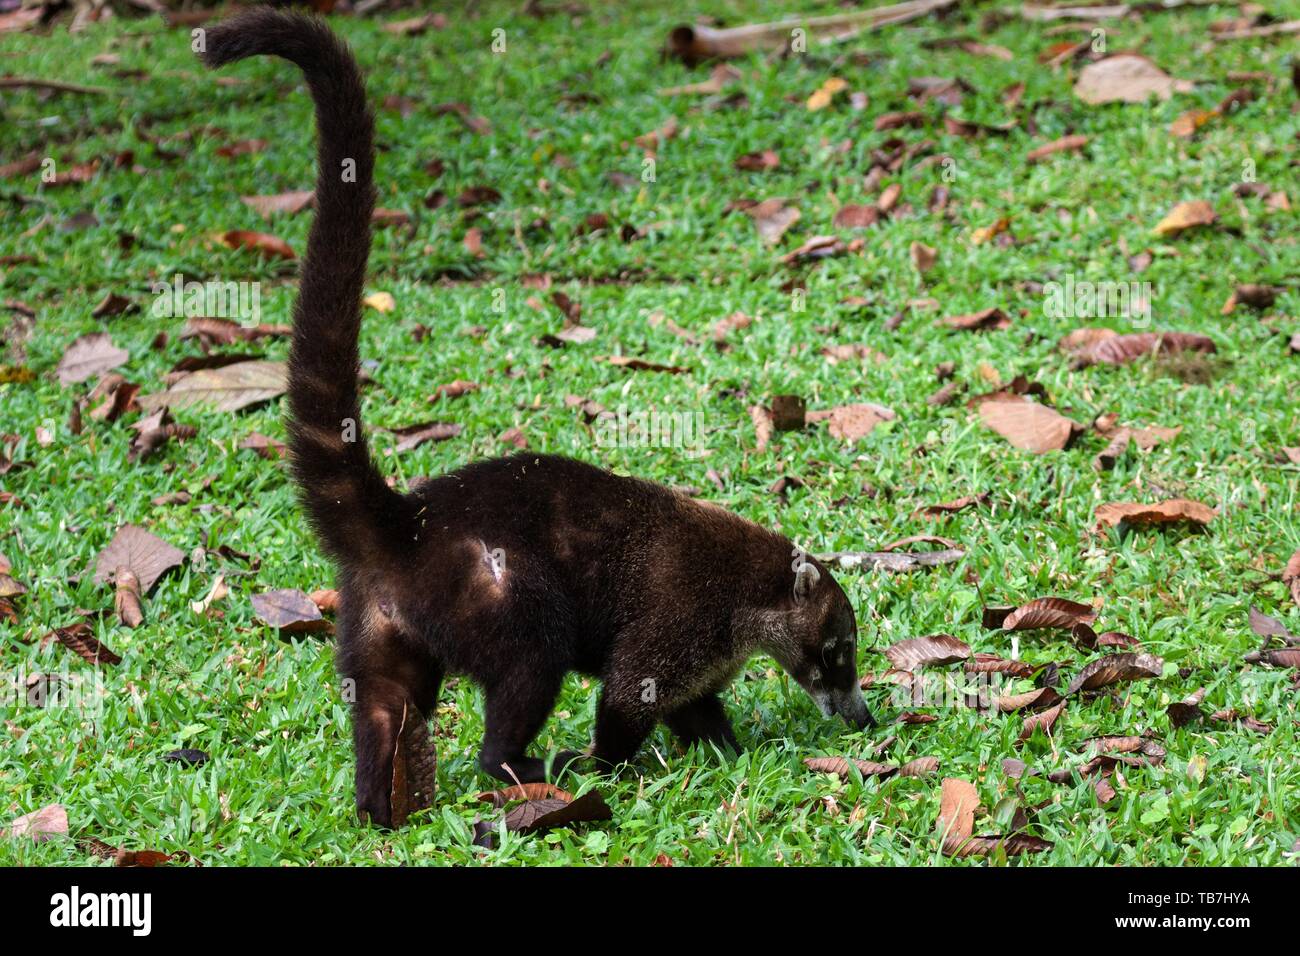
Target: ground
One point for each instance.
(566, 100)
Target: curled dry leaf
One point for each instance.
(414, 766)
(1172, 511)
(762, 419)
(1284, 657)
(145, 555)
(326, 600)
(1049, 612)
(1062, 145)
(1035, 699)
(1029, 426)
(1014, 844)
(992, 664)
(1188, 709)
(850, 423)
(1114, 669)
(1127, 78)
(126, 598)
(935, 650)
(1042, 720)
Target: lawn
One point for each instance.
(567, 100)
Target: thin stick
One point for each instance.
(20, 82)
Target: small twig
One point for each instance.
(21, 82)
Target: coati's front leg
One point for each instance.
(623, 721)
(703, 721)
(514, 712)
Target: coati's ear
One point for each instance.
(806, 577)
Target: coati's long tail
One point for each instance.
(344, 494)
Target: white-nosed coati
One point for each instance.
(513, 571)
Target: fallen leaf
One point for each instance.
(824, 94)
(289, 610)
(268, 246)
(992, 318)
(933, 651)
(1048, 612)
(1029, 426)
(1063, 145)
(382, 302)
(415, 762)
(951, 507)
(41, 825)
(772, 217)
(80, 639)
(126, 598)
(758, 162)
(412, 436)
(288, 203)
(1186, 215)
(89, 355)
(1122, 349)
(1113, 669)
(923, 257)
(1127, 78)
(224, 389)
(958, 801)
(1187, 710)
(1043, 720)
(1172, 511)
(145, 555)
(548, 813)
(856, 217)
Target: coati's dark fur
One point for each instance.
(513, 571)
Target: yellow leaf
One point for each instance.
(1185, 215)
(823, 95)
(381, 302)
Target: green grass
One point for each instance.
(278, 789)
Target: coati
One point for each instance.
(513, 571)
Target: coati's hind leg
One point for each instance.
(516, 707)
(703, 721)
(387, 679)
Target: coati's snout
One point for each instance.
(820, 649)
